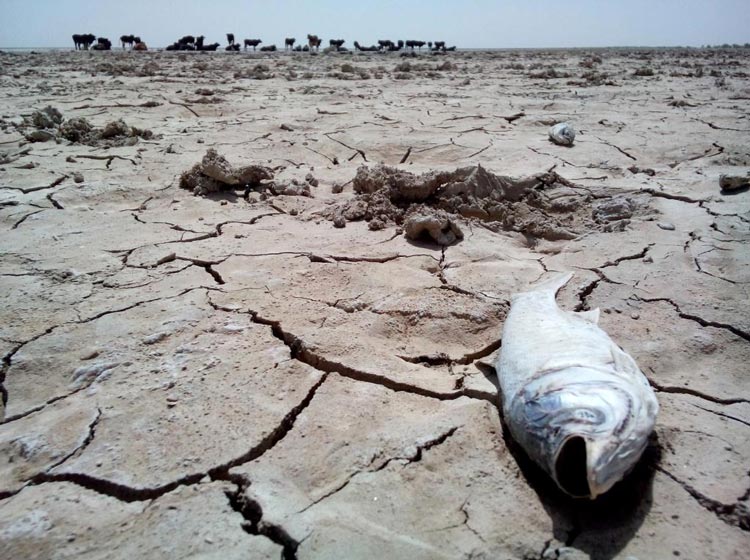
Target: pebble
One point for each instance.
(733, 182)
(666, 225)
(78, 177)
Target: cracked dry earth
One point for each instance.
(213, 376)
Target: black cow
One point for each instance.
(234, 47)
(83, 41)
(359, 47)
(230, 39)
(252, 43)
(269, 48)
(289, 43)
(336, 43)
(129, 40)
(102, 44)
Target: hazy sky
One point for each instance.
(466, 23)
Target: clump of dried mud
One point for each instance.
(49, 124)
(214, 173)
(542, 206)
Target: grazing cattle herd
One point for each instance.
(190, 43)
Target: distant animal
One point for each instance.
(102, 44)
(289, 43)
(234, 47)
(252, 43)
(199, 42)
(336, 43)
(186, 43)
(388, 45)
(268, 48)
(211, 47)
(137, 40)
(127, 39)
(372, 48)
(140, 46)
(429, 45)
(83, 41)
(314, 42)
(230, 38)
(439, 45)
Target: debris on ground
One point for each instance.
(542, 206)
(734, 182)
(562, 134)
(214, 173)
(437, 225)
(49, 125)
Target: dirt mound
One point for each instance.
(214, 173)
(49, 124)
(541, 206)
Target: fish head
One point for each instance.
(588, 429)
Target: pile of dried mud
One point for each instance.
(542, 206)
(49, 124)
(214, 173)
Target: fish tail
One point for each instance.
(552, 283)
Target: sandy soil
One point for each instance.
(286, 374)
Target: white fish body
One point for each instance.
(574, 400)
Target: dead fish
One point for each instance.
(574, 400)
(563, 134)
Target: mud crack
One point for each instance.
(254, 524)
(736, 514)
(700, 320)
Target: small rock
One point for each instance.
(223, 203)
(648, 259)
(39, 136)
(665, 225)
(645, 170)
(733, 182)
(618, 208)
(339, 221)
(154, 338)
(438, 226)
(86, 375)
(78, 177)
(337, 188)
(311, 180)
(635, 316)
(286, 127)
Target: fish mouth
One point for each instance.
(571, 468)
(575, 467)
